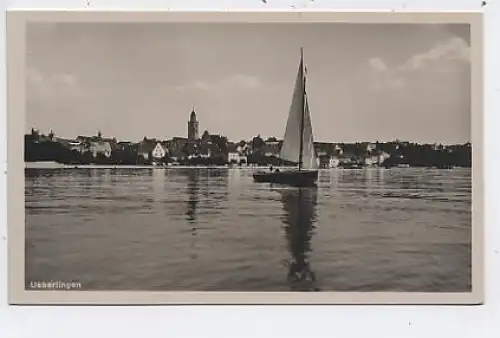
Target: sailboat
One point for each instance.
(298, 142)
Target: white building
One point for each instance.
(339, 149)
(242, 149)
(371, 147)
(236, 157)
(333, 162)
(100, 148)
(382, 157)
(159, 151)
(371, 160)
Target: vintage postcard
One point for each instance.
(245, 158)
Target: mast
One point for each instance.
(298, 140)
(301, 144)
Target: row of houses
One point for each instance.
(99, 146)
(341, 160)
(177, 148)
(96, 145)
(149, 149)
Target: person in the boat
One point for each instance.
(277, 171)
(271, 168)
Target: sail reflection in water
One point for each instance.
(299, 204)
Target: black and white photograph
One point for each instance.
(280, 157)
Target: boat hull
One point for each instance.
(289, 177)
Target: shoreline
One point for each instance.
(55, 165)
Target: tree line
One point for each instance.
(46, 148)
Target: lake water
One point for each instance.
(217, 230)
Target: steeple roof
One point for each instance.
(192, 117)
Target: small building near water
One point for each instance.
(235, 154)
(152, 150)
(159, 151)
(100, 148)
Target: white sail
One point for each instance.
(309, 159)
(298, 114)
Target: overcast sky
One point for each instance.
(366, 82)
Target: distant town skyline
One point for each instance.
(366, 82)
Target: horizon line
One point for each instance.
(164, 138)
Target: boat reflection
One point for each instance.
(299, 205)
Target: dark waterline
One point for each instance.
(217, 230)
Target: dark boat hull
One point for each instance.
(290, 177)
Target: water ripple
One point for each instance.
(215, 229)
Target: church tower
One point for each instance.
(192, 127)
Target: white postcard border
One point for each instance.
(16, 23)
